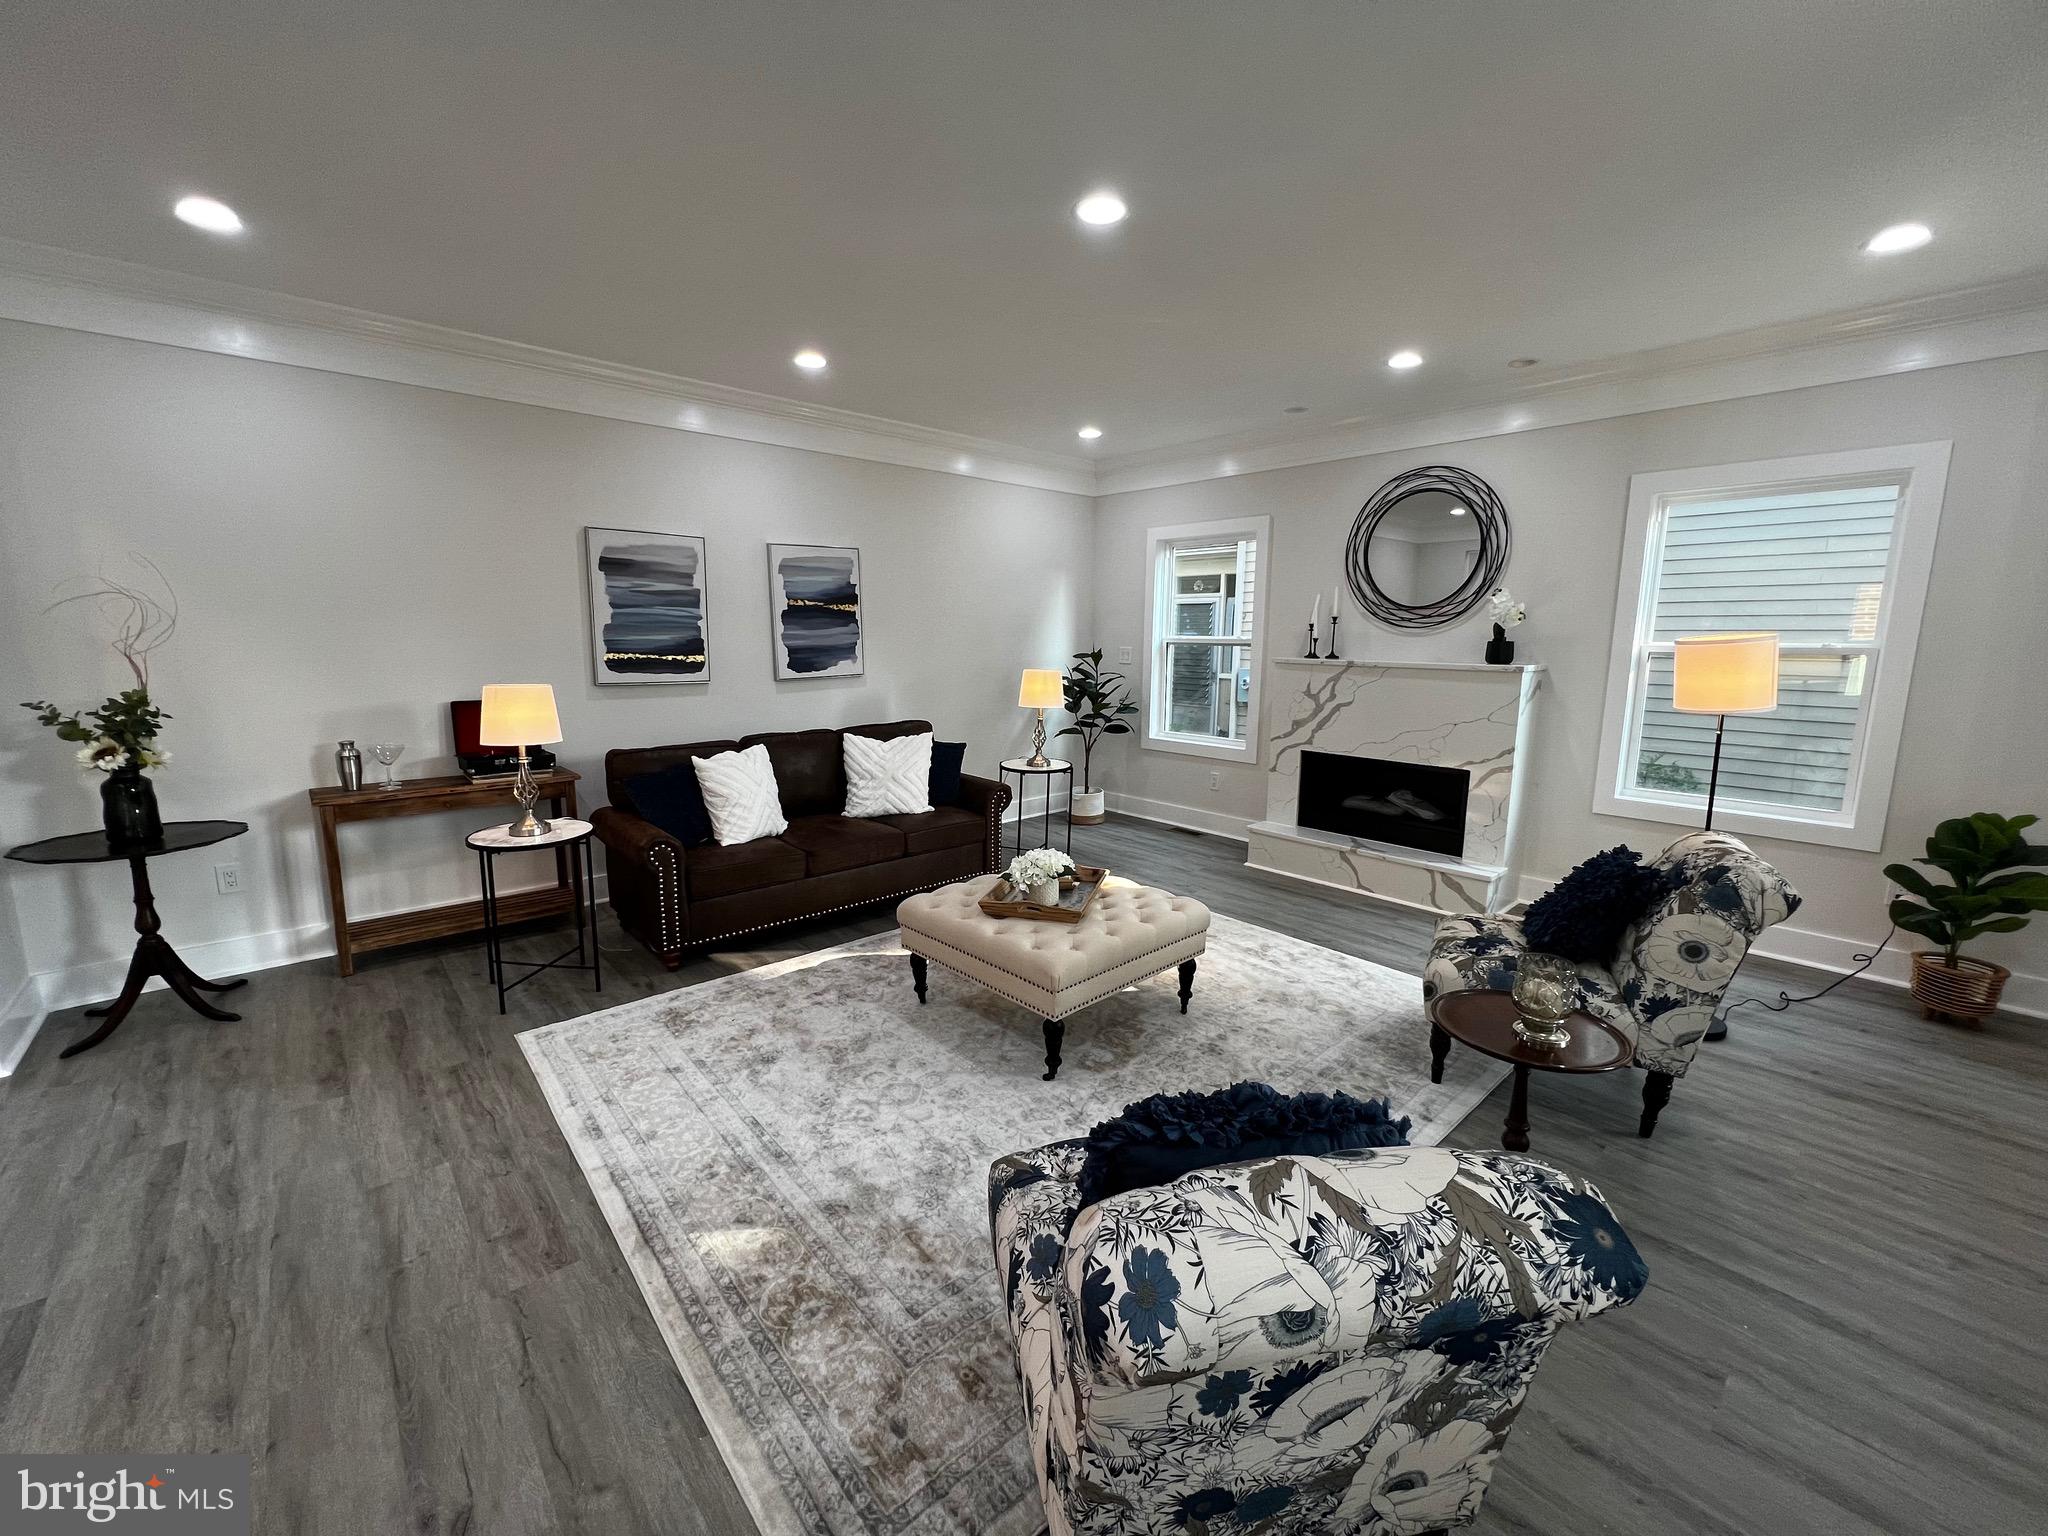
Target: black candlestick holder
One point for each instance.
(1331, 653)
(1310, 653)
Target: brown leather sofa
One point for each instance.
(676, 899)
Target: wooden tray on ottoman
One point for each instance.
(1077, 895)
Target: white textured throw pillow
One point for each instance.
(888, 778)
(740, 793)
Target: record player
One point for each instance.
(478, 761)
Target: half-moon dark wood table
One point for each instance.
(1485, 1021)
(153, 953)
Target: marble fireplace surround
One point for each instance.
(1447, 714)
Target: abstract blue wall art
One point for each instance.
(647, 613)
(814, 609)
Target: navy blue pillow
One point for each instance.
(947, 756)
(671, 800)
(1583, 916)
(1156, 1140)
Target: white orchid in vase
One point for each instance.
(1507, 612)
(1038, 873)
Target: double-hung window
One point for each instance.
(1831, 552)
(1204, 621)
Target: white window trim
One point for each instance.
(1157, 541)
(1923, 468)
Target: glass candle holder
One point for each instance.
(1546, 993)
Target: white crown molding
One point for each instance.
(2000, 320)
(45, 286)
(42, 285)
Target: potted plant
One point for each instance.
(118, 739)
(1098, 701)
(1990, 891)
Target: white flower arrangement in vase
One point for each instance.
(1037, 875)
(1507, 611)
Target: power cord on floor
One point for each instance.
(1786, 999)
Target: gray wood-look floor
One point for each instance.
(345, 1236)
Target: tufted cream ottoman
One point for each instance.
(1054, 969)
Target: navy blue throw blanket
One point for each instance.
(1584, 915)
(1156, 1140)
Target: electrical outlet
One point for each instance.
(1215, 780)
(1123, 655)
(229, 878)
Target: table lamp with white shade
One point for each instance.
(1723, 675)
(1041, 690)
(520, 715)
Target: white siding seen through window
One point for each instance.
(1203, 649)
(1809, 565)
(1831, 553)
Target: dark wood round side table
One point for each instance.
(1486, 1022)
(153, 953)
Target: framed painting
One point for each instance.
(647, 610)
(814, 610)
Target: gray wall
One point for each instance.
(351, 554)
(1976, 733)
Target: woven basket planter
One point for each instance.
(1968, 990)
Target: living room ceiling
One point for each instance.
(705, 189)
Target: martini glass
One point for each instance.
(388, 753)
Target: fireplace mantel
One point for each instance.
(1469, 715)
(1410, 666)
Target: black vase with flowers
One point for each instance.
(128, 809)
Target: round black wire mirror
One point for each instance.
(1427, 547)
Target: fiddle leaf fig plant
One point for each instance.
(1992, 890)
(1098, 701)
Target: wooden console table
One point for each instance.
(333, 805)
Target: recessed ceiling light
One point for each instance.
(1294, 410)
(1899, 237)
(1099, 208)
(811, 360)
(1089, 434)
(209, 214)
(1522, 362)
(1457, 511)
(1405, 360)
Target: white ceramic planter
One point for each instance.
(1046, 893)
(1088, 806)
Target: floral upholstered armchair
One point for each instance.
(1293, 1345)
(1668, 973)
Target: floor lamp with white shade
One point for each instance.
(1723, 675)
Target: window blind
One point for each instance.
(1809, 564)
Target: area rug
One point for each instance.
(793, 1160)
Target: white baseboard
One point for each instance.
(1187, 817)
(97, 980)
(20, 1017)
(2026, 993)
(1016, 812)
